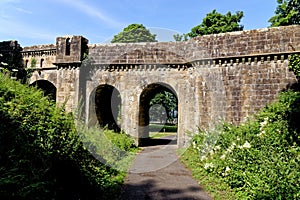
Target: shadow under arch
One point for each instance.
(105, 107)
(146, 96)
(47, 87)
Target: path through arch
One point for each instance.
(146, 106)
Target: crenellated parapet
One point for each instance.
(39, 57)
(262, 45)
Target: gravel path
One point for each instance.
(157, 173)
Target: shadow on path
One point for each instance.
(150, 189)
(158, 174)
(157, 142)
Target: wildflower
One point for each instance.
(230, 149)
(208, 165)
(223, 157)
(194, 145)
(247, 145)
(261, 133)
(203, 158)
(227, 169)
(264, 123)
(217, 147)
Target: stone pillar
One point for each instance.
(68, 88)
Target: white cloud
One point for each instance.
(92, 12)
(2, 2)
(23, 10)
(15, 30)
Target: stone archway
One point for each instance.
(105, 106)
(47, 87)
(146, 96)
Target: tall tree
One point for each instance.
(168, 101)
(178, 38)
(287, 13)
(134, 33)
(215, 22)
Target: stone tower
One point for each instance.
(70, 50)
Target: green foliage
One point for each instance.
(33, 63)
(116, 150)
(134, 33)
(287, 13)
(42, 156)
(215, 22)
(179, 38)
(258, 159)
(294, 64)
(168, 102)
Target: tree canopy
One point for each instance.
(215, 22)
(177, 37)
(168, 101)
(286, 13)
(134, 33)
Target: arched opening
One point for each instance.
(48, 88)
(107, 107)
(42, 63)
(68, 46)
(26, 64)
(158, 111)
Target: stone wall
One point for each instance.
(227, 76)
(210, 47)
(45, 56)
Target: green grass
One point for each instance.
(162, 128)
(217, 189)
(116, 150)
(157, 135)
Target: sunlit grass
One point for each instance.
(157, 135)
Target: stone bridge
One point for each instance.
(226, 76)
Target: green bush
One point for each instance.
(294, 64)
(116, 150)
(42, 156)
(260, 158)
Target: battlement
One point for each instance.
(268, 41)
(232, 47)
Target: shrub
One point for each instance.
(116, 150)
(42, 156)
(260, 158)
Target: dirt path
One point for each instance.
(157, 173)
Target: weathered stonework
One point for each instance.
(227, 76)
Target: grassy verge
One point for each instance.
(116, 150)
(162, 128)
(217, 189)
(157, 135)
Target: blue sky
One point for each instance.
(34, 22)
